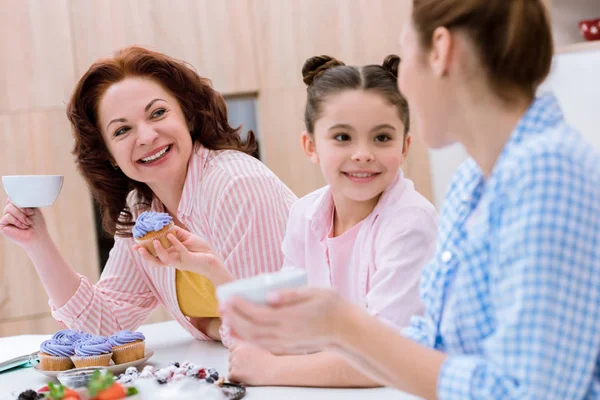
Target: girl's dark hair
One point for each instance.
(203, 107)
(325, 75)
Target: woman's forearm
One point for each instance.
(388, 357)
(59, 280)
(325, 369)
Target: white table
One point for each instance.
(171, 343)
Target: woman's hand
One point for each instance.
(24, 226)
(188, 252)
(295, 321)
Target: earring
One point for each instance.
(115, 166)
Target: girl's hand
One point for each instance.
(24, 226)
(295, 321)
(251, 365)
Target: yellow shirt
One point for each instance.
(196, 295)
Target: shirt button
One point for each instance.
(446, 256)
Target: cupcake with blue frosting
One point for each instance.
(95, 351)
(55, 355)
(151, 226)
(69, 336)
(127, 346)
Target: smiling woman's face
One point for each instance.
(145, 131)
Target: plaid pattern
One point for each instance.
(513, 294)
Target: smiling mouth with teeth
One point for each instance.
(361, 174)
(155, 156)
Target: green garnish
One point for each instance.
(56, 391)
(99, 382)
(131, 391)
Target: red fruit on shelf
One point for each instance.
(590, 28)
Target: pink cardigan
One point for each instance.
(384, 265)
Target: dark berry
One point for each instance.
(209, 380)
(30, 395)
(161, 381)
(176, 363)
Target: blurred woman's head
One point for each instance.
(474, 48)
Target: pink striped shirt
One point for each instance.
(231, 200)
(376, 265)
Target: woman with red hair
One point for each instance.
(150, 134)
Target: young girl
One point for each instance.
(368, 233)
(512, 297)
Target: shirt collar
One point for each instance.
(194, 175)
(320, 214)
(543, 113)
(196, 166)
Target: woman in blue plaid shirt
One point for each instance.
(512, 296)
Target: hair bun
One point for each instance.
(391, 64)
(316, 66)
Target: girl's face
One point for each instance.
(359, 143)
(145, 131)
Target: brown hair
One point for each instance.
(513, 38)
(203, 107)
(325, 75)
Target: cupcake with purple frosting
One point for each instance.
(152, 226)
(128, 346)
(69, 336)
(55, 355)
(95, 351)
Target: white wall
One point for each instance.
(575, 80)
(443, 163)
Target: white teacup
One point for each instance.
(32, 191)
(256, 289)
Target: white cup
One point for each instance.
(32, 191)
(256, 289)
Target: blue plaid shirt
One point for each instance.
(513, 294)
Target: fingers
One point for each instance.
(166, 258)
(249, 322)
(28, 211)
(10, 220)
(177, 245)
(180, 233)
(247, 331)
(257, 314)
(289, 297)
(145, 254)
(18, 214)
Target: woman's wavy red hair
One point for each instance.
(204, 109)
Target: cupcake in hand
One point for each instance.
(95, 351)
(152, 226)
(128, 346)
(56, 356)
